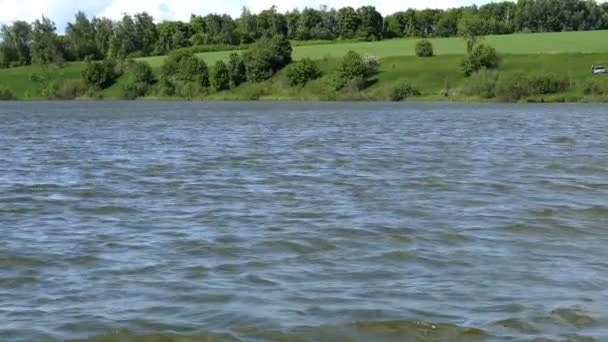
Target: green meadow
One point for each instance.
(569, 54)
(520, 44)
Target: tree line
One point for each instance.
(24, 43)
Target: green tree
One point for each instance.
(46, 46)
(103, 29)
(348, 23)
(15, 44)
(220, 77)
(481, 57)
(81, 38)
(237, 70)
(247, 26)
(184, 67)
(271, 23)
(124, 40)
(351, 67)
(146, 34)
(173, 35)
(371, 26)
(266, 57)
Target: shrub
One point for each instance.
(482, 56)
(302, 72)
(373, 64)
(595, 87)
(237, 70)
(267, 56)
(133, 90)
(140, 72)
(481, 83)
(139, 77)
(220, 77)
(403, 91)
(351, 67)
(7, 95)
(181, 68)
(512, 87)
(100, 74)
(65, 90)
(547, 84)
(424, 48)
(352, 90)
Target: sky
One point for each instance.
(62, 11)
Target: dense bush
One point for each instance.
(541, 84)
(184, 74)
(481, 83)
(482, 56)
(139, 78)
(595, 87)
(373, 64)
(236, 67)
(7, 95)
(220, 76)
(352, 66)
(65, 90)
(267, 56)
(133, 90)
(100, 75)
(424, 48)
(512, 87)
(302, 72)
(140, 72)
(403, 91)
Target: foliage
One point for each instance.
(540, 84)
(132, 90)
(512, 87)
(482, 56)
(184, 66)
(595, 87)
(100, 75)
(220, 76)
(81, 38)
(7, 95)
(302, 72)
(267, 56)
(481, 83)
(139, 78)
(352, 67)
(424, 48)
(15, 45)
(65, 90)
(402, 91)
(237, 70)
(46, 47)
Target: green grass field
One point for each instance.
(569, 54)
(532, 43)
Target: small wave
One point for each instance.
(107, 210)
(518, 325)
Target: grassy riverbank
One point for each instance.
(568, 55)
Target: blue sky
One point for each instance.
(62, 11)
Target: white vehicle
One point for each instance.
(598, 69)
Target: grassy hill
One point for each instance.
(568, 54)
(520, 44)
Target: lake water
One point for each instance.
(127, 221)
